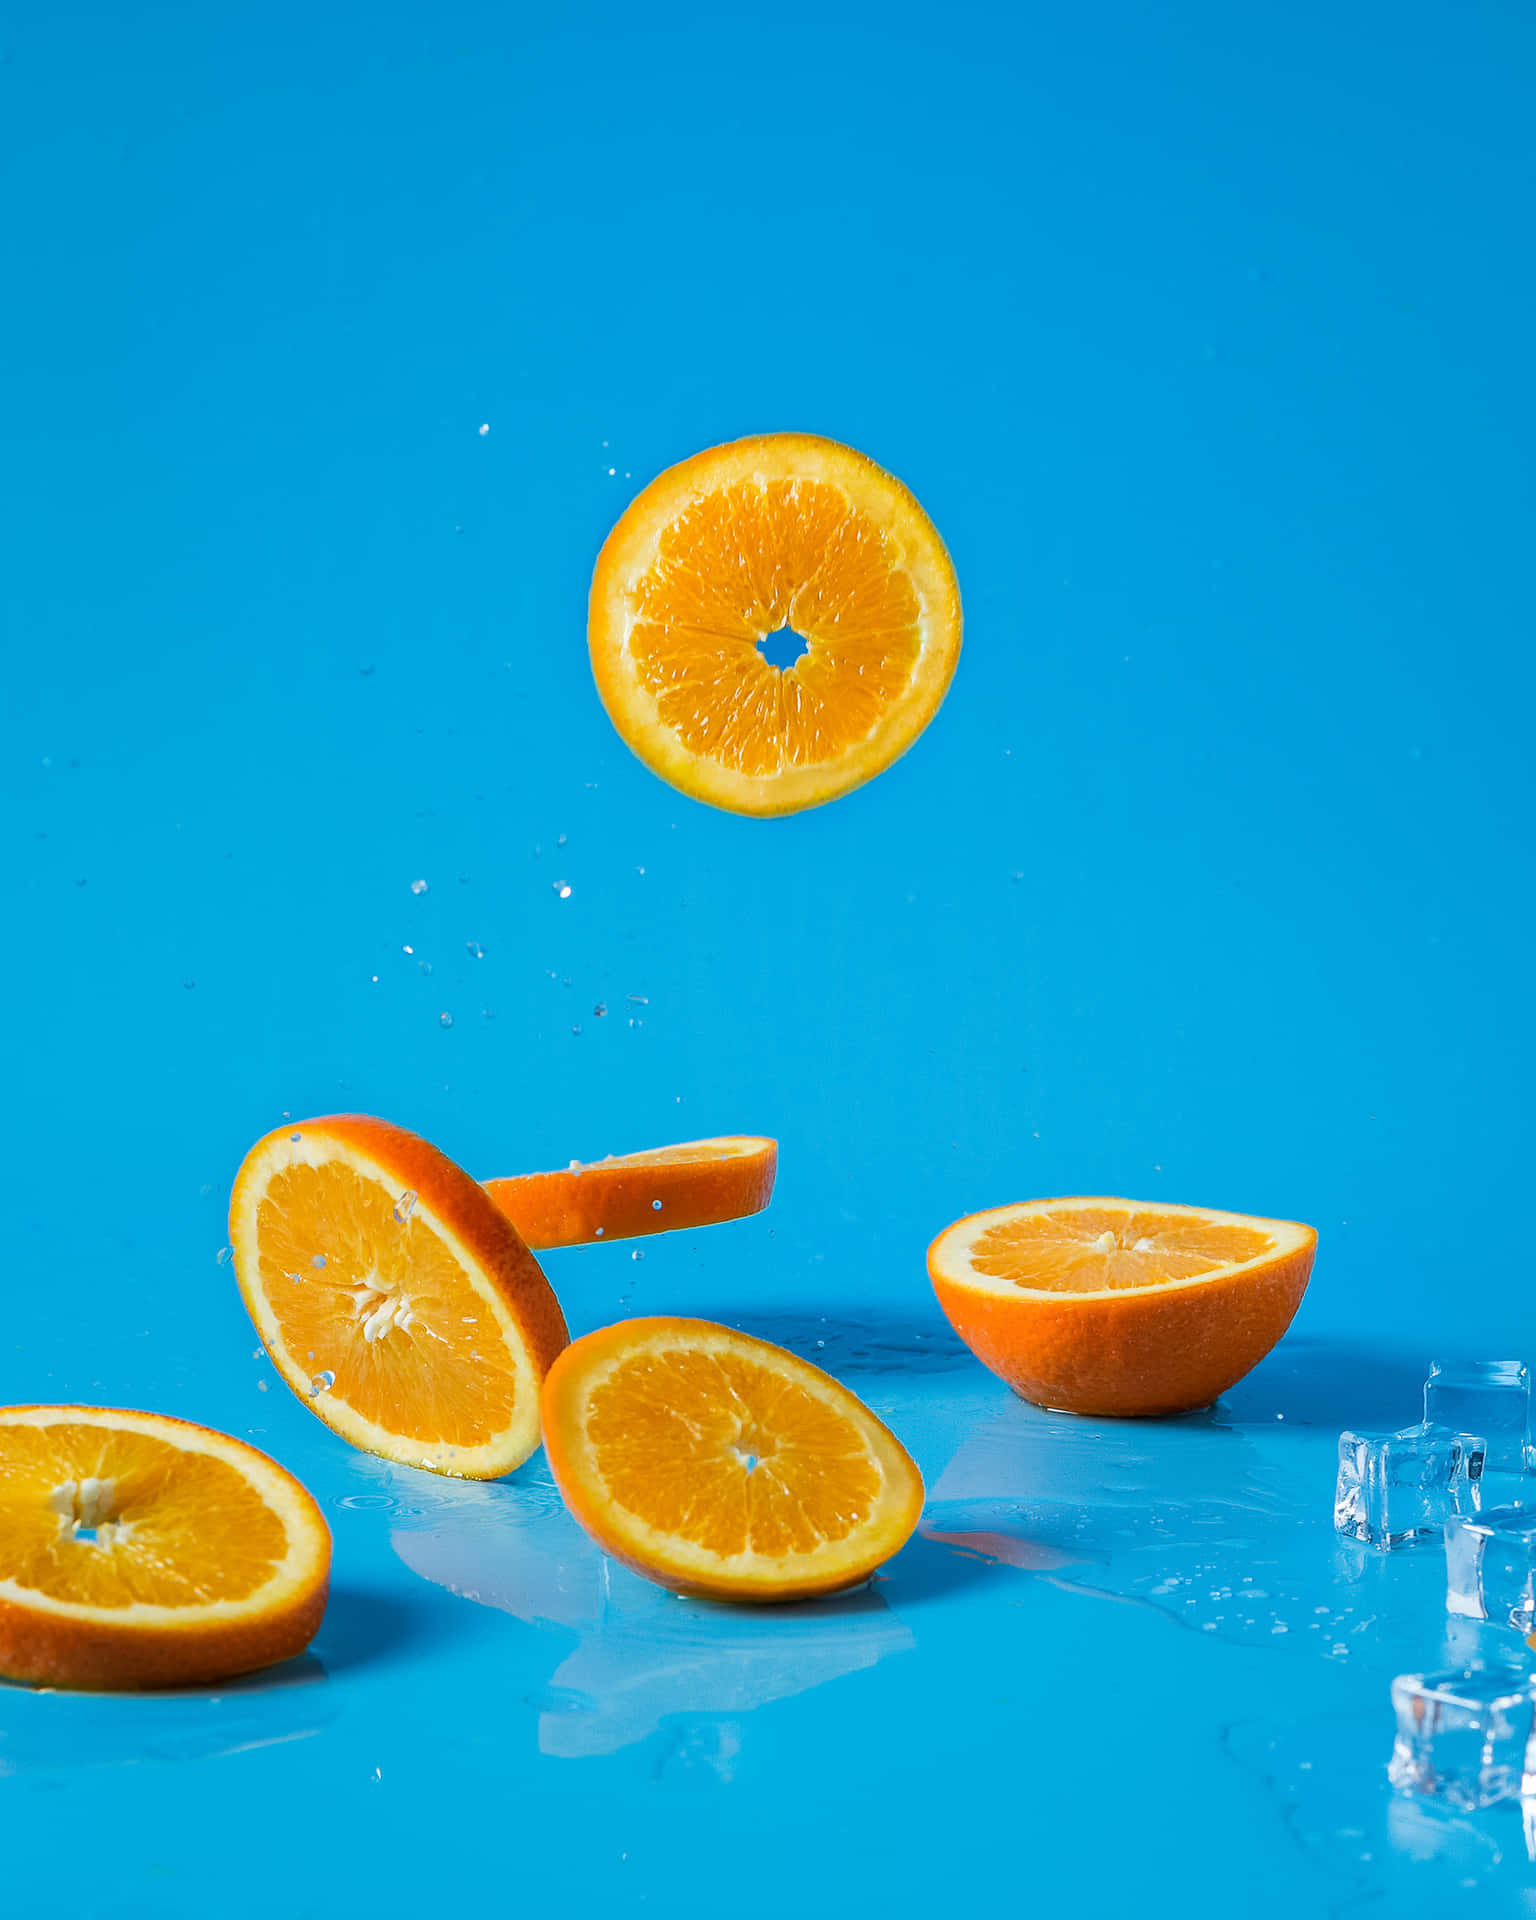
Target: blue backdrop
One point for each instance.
(335, 341)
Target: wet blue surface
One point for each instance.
(1203, 337)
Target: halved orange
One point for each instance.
(393, 1294)
(696, 1184)
(141, 1551)
(724, 1467)
(785, 531)
(1106, 1306)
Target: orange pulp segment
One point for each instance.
(393, 1295)
(696, 1184)
(1110, 1306)
(784, 531)
(724, 1467)
(141, 1551)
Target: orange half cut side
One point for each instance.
(716, 556)
(393, 1295)
(141, 1551)
(724, 1467)
(698, 1183)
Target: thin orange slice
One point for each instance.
(1120, 1306)
(724, 1467)
(696, 1184)
(141, 1551)
(394, 1295)
(786, 531)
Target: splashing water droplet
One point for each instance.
(418, 886)
(559, 839)
(637, 1255)
(318, 1260)
(655, 1206)
(322, 1382)
(600, 1010)
(562, 889)
(225, 1255)
(403, 1206)
(295, 1136)
(474, 949)
(445, 1019)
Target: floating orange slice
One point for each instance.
(1120, 1306)
(394, 1295)
(721, 1466)
(141, 1551)
(746, 541)
(696, 1184)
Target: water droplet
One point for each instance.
(445, 1019)
(599, 1233)
(407, 949)
(425, 965)
(655, 1206)
(637, 1255)
(484, 429)
(322, 1382)
(403, 1206)
(486, 1014)
(575, 1029)
(562, 889)
(261, 1386)
(637, 999)
(225, 1255)
(559, 839)
(295, 1136)
(474, 949)
(318, 1260)
(600, 1010)
(418, 886)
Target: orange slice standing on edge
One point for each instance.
(393, 1295)
(141, 1551)
(1120, 1306)
(697, 1184)
(786, 531)
(721, 1466)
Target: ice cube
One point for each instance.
(1490, 1397)
(1395, 1488)
(1464, 1737)
(1490, 1566)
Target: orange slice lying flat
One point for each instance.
(393, 1295)
(141, 1551)
(743, 542)
(1120, 1306)
(721, 1466)
(696, 1184)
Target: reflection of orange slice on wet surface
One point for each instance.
(724, 1467)
(783, 534)
(696, 1184)
(394, 1295)
(141, 1551)
(1107, 1306)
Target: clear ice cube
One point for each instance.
(1490, 1397)
(1395, 1488)
(1465, 1737)
(1490, 1566)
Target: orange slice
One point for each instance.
(787, 531)
(696, 1184)
(394, 1295)
(141, 1551)
(724, 1467)
(1120, 1306)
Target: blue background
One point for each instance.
(1203, 334)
